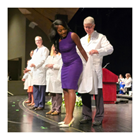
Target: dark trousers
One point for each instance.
(99, 106)
(56, 101)
(87, 110)
(39, 95)
(127, 90)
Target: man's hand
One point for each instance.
(32, 65)
(50, 65)
(93, 52)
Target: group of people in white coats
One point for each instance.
(47, 73)
(44, 69)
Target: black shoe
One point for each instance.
(32, 108)
(97, 123)
(83, 121)
(39, 108)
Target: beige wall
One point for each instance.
(21, 37)
(30, 36)
(16, 35)
(20, 42)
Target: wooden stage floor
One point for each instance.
(117, 118)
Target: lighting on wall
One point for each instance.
(32, 25)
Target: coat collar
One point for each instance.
(36, 50)
(93, 35)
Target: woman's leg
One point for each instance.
(29, 98)
(71, 104)
(32, 100)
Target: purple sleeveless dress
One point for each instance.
(72, 64)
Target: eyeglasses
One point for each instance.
(38, 40)
(89, 27)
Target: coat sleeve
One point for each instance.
(46, 63)
(42, 59)
(25, 76)
(29, 63)
(106, 47)
(57, 66)
(128, 82)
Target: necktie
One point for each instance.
(88, 38)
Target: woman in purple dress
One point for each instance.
(65, 42)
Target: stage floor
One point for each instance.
(117, 118)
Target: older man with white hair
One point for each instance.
(97, 45)
(39, 74)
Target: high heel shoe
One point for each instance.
(71, 122)
(67, 125)
(61, 123)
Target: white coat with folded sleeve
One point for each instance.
(28, 76)
(100, 43)
(53, 83)
(25, 76)
(39, 73)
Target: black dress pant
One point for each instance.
(99, 106)
(127, 90)
(87, 110)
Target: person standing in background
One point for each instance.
(27, 78)
(39, 74)
(52, 65)
(95, 44)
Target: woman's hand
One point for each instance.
(23, 80)
(26, 70)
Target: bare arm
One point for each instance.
(76, 39)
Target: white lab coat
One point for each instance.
(28, 76)
(38, 58)
(52, 81)
(25, 76)
(86, 83)
(100, 43)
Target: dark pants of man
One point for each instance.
(39, 95)
(128, 89)
(87, 110)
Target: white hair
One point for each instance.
(38, 37)
(89, 20)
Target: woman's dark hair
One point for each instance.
(54, 36)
